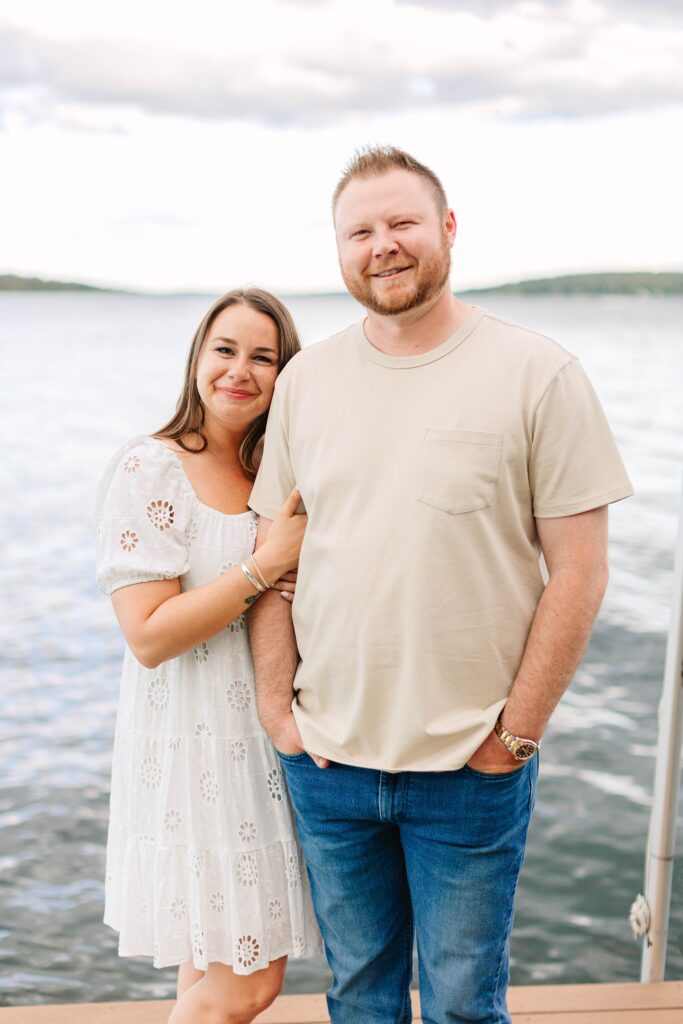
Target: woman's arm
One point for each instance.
(160, 622)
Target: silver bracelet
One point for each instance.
(260, 575)
(252, 579)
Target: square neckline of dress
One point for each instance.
(188, 484)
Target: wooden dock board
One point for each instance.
(660, 1003)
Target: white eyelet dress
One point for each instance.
(203, 862)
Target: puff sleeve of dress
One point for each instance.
(141, 515)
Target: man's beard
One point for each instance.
(432, 275)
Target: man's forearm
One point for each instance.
(575, 550)
(276, 658)
(275, 655)
(557, 641)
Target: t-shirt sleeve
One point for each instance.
(574, 465)
(275, 477)
(141, 516)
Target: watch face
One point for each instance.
(523, 751)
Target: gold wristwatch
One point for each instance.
(520, 748)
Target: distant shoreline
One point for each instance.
(640, 283)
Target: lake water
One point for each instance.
(80, 374)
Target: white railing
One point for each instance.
(650, 916)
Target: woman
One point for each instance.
(203, 866)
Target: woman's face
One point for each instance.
(237, 366)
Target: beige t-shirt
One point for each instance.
(419, 574)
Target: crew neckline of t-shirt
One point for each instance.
(463, 332)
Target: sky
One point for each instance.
(195, 146)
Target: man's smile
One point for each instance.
(392, 272)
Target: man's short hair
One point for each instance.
(375, 160)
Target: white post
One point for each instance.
(662, 838)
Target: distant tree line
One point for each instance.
(571, 284)
(595, 284)
(13, 283)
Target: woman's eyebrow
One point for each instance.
(231, 341)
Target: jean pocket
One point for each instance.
(291, 758)
(495, 776)
(459, 469)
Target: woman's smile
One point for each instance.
(237, 393)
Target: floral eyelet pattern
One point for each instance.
(299, 945)
(157, 692)
(247, 870)
(292, 870)
(202, 731)
(150, 773)
(247, 832)
(129, 540)
(275, 783)
(237, 625)
(239, 696)
(201, 653)
(191, 532)
(174, 743)
(238, 751)
(198, 940)
(178, 908)
(161, 514)
(217, 902)
(173, 820)
(247, 950)
(208, 787)
(197, 863)
(226, 567)
(275, 909)
(132, 464)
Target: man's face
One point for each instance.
(394, 246)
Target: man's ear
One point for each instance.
(451, 226)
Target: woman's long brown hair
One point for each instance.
(188, 418)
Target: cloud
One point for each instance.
(485, 8)
(523, 63)
(616, 9)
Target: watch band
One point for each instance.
(521, 748)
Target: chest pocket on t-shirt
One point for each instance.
(459, 469)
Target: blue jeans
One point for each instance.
(436, 854)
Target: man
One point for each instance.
(439, 451)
